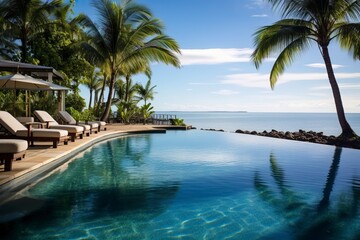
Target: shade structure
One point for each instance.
(24, 82)
(52, 86)
(30, 69)
(21, 82)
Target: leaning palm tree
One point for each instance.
(146, 92)
(22, 19)
(306, 22)
(126, 35)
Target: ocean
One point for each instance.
(257, 121)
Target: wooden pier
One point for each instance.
(162, 119)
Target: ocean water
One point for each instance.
(196, 185)
(256, 121)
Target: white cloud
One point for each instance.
(257, 80)
(225, 92)
(255, 4)
(322, 65)
(214, 56)
(341, 86)
(259, 15)
(203, 83)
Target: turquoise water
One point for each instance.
(256, 121)
(198, 185)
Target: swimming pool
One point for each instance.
(198, 185)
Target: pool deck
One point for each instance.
(42, 157)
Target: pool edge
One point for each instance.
(11, 186)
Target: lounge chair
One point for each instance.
(12, 128)
(74, 131)
(25, 120)
(68, 119)
(12, 149)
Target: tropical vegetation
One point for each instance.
(126, 38)
(103, 55)
(306, 22)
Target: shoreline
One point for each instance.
(302, 136)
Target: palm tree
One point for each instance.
(146, 92)
(126, 35)
(105, 71)
(22, 19)
(312, 21)
(129, 70)
(92, 83)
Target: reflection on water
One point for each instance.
(197, 185)
(307, 220)
(99, 186)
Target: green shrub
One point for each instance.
(75, 101)
(177, 122)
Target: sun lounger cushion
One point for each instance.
(25, 119)
(87, 127)
(10, 123)
(52, 133)
(69, 128)
(17, 129)
(12, 145)
(93, 124)
(66, 117)
(46, 117)
(102, 123)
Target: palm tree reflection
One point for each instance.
(325, 201)
(105, 183)
(309, 221)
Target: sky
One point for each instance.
(216, 40)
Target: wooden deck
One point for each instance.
(41, 159)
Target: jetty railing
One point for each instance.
(162, 119)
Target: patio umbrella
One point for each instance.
(52, 86)
(21, 82)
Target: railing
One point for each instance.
(162, 118)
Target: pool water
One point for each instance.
(198, 185)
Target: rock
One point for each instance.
(306, 136)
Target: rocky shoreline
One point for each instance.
(304, 136)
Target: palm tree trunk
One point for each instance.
(90, 100)
(101, 95)
(106, 113)
(347, 131)
(127, 88)
(23, 47)
(96, 97)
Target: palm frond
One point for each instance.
(286, 57)
(349, 38)
(274, 38)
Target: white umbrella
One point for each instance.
(21, 82)
(52, 86)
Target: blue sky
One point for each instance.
(216, 40)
